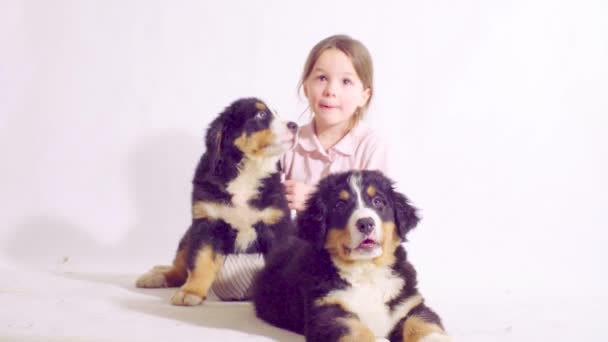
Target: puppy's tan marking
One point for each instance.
(260, 106)
(176, 275)
(337, 242)
(271, 216)
(166, 276)
(357, 331)
(255, 144)
(390, 242)
(332, 301)
(200, 278)
(371, 191)
(344, 195)
(241, 218)
(415, 329)
(198, 210)
(218, 141)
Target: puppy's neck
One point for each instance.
(251, 172)
(265, 165)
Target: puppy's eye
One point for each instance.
(378, 202)
(261, 115)
(340, 206)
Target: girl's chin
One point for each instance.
(324, 123)
(330, 114)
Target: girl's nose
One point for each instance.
(330, 89)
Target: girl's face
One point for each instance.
(333, 89)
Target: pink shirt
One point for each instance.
(308, 161)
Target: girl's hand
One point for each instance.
(297, 194)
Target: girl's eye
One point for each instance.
(261, 115)
(321, 78)
(377, 202)
(347, 81)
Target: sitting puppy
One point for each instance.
(348, 278)
(238, 201)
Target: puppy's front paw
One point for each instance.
(152, 279)
(184, 298)
(436, 337)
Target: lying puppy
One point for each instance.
(348, 278)
(238, 201)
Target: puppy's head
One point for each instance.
(250, 128)
(357, 215)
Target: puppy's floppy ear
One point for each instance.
(312, 221)
(213, 142)
(405, 214)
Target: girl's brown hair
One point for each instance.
(359, 56)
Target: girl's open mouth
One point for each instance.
(325, 106)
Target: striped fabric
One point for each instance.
(233, 282)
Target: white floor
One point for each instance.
(71, 304)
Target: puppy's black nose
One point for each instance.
(292, 126)
(365, 225)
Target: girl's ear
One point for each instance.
(405, 214)
(312, 222)
(365, 95)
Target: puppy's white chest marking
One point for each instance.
(245, 186)
(371, 288)
(240, 215)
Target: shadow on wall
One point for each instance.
(159, 172)
(47, 240)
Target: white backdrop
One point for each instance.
(497, 112)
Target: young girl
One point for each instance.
(337, 81)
